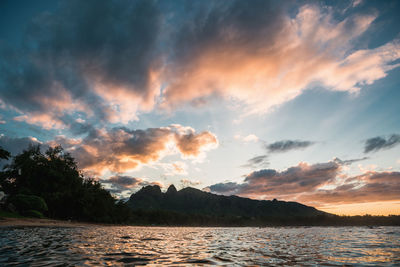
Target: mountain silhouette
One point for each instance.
(191, 201)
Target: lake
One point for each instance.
(108, 245)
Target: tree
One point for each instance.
(55, 177)
(4, 154)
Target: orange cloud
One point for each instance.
(124, 102)
(121, 149)
(53, 108)
(45, 120)
(269, 69)
(192, 144)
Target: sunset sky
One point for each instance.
(294, 100)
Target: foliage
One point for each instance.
(4, 154)
(29, 202)
(55, 177)
(8, 214)
(33, 213)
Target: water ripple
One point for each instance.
(185, 246)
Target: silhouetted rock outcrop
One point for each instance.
(191, 201)
(171, 190)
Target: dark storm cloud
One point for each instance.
(83, 43)
(286, 145)
(380, 142)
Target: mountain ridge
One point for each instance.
(192, 201)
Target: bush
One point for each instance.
(29, 202)
(33, 213)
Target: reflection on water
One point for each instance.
(55, 246)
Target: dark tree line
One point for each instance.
(54, 178)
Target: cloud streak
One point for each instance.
(287, 145)
(257, 162)
(380, 143)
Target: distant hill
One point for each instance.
(191, 201)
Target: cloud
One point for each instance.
(191, 144)
(318, 184)
(125, 182)
(379, 143)
(123, 186)
(98, 58)
(276, 147)
(368, 187)
(16, 145)
(171, 169)
(247, 139)
(257, 162)
(110, 61)
(122, 149)
(286, 145)
(269, 183)
(189, 183)
(357, 2)
(243, 50)
(44, 120)
(349, 161)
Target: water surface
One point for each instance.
(80, 246)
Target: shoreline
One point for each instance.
(35, 222)
(6, 222)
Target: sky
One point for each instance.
(293, 100)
